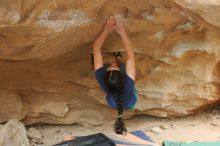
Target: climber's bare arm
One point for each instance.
(109, 27)
(130, 62)
(98, 61)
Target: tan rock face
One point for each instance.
(45, 66)
(207, 9)
(13, 133)
(11, 105)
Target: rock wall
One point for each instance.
(13, 133)
(45, 64)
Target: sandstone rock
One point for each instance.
(13, 134)
(156, 130)
(34, 133)
(45, 67)
(11, 105)
(173, 126)
(165, 126)
(205, 9)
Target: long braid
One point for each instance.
(114, 83)
(119, 126)
(119, 123)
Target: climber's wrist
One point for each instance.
(123, 35)
(105, 32)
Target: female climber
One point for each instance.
(116, 79)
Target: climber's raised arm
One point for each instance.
(109, 27)
(130, 62)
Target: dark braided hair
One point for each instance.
(115, 87)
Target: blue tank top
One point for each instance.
(129, 96)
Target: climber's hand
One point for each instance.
(110, 24)
(120, 27)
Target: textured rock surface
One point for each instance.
(207, 9)
(13, 134)
(34, 133)
(46, 74)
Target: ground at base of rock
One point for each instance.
(201, 127)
